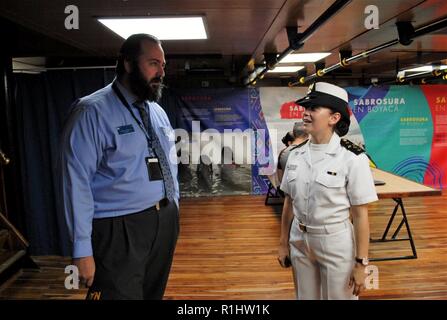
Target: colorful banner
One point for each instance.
(405, 129)
(259, 143)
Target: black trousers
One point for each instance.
(133, 254)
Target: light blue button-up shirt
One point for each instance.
(103, 170)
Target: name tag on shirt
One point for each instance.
(128, 128)
(292, 166)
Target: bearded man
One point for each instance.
(118, 183)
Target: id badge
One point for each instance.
(154, 169)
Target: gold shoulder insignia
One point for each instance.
(351, 146)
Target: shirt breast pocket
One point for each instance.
(291, 179)
(291, 175)
(330, 181)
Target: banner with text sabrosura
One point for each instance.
(404, 129)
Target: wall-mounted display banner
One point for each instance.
(215, 148)
(239, 132)
(405, 129)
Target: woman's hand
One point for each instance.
(357, 280)
(286, 223)
(284, 256)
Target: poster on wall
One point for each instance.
(214, 142)
(404, 129)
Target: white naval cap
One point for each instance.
(323, 94)
(329, 88)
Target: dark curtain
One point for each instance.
(42, 104)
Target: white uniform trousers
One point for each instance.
(322, 262)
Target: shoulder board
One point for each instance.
(351, 146)
(299, 145)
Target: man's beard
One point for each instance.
(143, 89)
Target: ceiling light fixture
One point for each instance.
(425, 68)
(283, 69)
(164, 28)
(304, 57)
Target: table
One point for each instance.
(396, 188)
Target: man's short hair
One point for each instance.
(298, 130)
(131, 49)
(288, 138)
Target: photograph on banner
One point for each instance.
(215, 153)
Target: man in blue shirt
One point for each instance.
(119, 180)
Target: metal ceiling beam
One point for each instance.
(297, 40)
(421, 31)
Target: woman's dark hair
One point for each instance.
(131, 49)
(341, 128)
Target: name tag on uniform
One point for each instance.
(292, 166)
(128, 128)
(332, 173)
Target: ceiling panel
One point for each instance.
(237, 29)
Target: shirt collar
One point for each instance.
(333, 144)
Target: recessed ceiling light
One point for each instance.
(164, 28)
(289, 69)
(304, 57)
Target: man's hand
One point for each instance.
(357, 280)
(284, 256)
(86, 267)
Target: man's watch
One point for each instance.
(362, 261)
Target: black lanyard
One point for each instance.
(126, 104)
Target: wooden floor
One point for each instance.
(227, 250)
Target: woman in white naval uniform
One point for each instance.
(324, 179)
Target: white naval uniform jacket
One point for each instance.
(323, 193)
